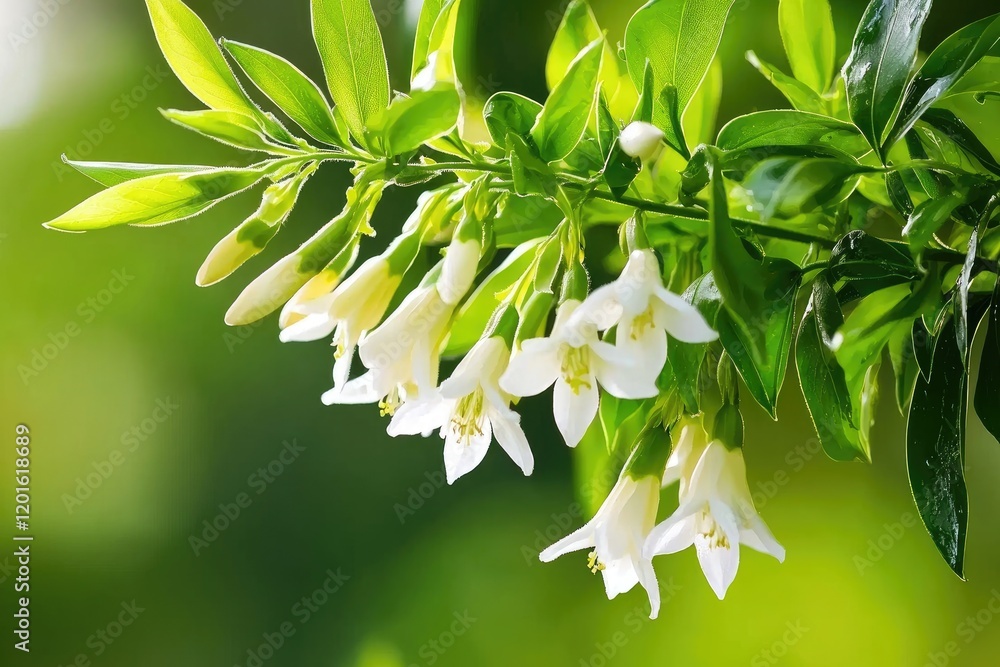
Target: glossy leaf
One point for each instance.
(876, 72)
(953, 127)
(824, 385)
(935, 450)
(928, 217)
(350, 47)
(576, 31)
(867, 263)
(564, 117)
(195, 58)
(787, 187)
(987, 388)
(679, 38)
(412, 120)
(949, 62)
(810, 41)
(114, 173)
(509, 112)
(764, 129)
(686, 359)
(158, 199)
(294, 93)
(801, 96)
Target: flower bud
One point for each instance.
(641, 140)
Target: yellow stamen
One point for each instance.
(575, 366)
(467, 419)
(641, 324)
(594, 564)
(388, 405)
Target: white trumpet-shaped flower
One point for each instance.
(356, 306)
(641, 140)
(401, 355)
(716, 512)
(643, 309)
(469, 409)
(616, 535)
(575, 359)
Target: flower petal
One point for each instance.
(574, 410)
(361, 389)
(619, 576)
(601, 308)
(719, 559)
(510, 436)
(675, 534)
(581, 538)
(420, 417)
(310, 328)
(462, 455)
(623, 379)
(533, 369)
(758, 537)
(647, 577)
(682, 320)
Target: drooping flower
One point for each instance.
(716, 512)
(621, 526)
(641, 140)
(469, 409)
(644, 309)
(356, 306)
(575, 359)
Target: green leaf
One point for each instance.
(686, 359)
(962, 296)
(114, 173)
(531, 174)
(350, 46)
(576, 31)
(949, 62)
(789, 186)
(987, 388)
(764, 129)
(294, 93)
(876, 72)
(195, 58)
(801, 96)
(935, 449)
(867, 264)
(699, 121)
(903, 355)
(521, 219)
(430, 10)
(928, 217)
(509, 112)
(824, 385)
(565, 115)
(679, 38)
(159, 199)
(410, 121)
(475, 314)
(951, 126)
(810, 41)
(228, 127)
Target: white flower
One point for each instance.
(458, 271)
(641, 140)
(716, 512)
(643, 309)
(353, 308)
(576, 360)
(616, 534)
(401, 355)
(469, 409)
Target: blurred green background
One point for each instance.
(148, 414)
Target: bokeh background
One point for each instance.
(183, 411)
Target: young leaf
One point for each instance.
(876, 72)
(699, 121)
(195, 58)
(949, 62)
(951, 126)
(410, 121)
(801, 96)
(228, 127)
(576, 31)
(928, 217)
(824, 385)
(935, 449)
(158, 199)
(786, 186)
(764, 129)
(114, 173)
(987, 388)
(509, 112)
(565, 115)
(430, 10)
(867, 264)
(350, 46)
(810, 41)
(290, 89)
(520, 219)
(679, 38)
